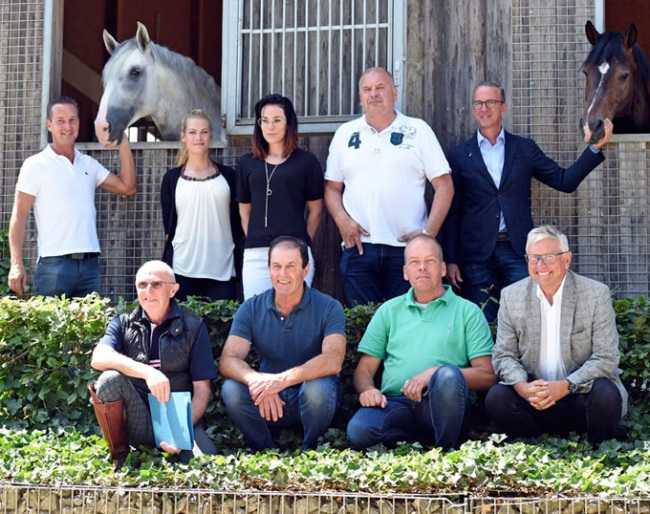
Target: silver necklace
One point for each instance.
(269, 191)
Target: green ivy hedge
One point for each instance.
(45, 348)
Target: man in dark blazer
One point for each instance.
(556, 353)
(485, 231)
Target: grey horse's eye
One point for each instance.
(135, 73)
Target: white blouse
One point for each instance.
(203, 244)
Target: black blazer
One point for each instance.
(469, 233)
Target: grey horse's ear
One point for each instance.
(109, 42)
(142, 37)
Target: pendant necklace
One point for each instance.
(269, 191)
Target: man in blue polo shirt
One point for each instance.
(435, 346)
(298, 334)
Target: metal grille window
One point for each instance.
(311, 51)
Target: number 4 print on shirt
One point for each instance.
(355, 141)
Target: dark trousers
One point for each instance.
(597, 413)
(205, 288)
(375, 276)
(483, 281)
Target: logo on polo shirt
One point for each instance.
(396, 138)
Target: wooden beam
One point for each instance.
(82, 77)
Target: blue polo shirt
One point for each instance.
(283, 343)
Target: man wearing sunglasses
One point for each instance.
(556, 353)
(485, 231)
(158, 348)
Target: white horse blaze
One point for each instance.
(603, 69)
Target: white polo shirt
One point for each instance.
(385, 173)
(64, 203)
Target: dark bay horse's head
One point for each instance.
(125, 85)
(616, 72)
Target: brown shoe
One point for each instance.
(112, 420)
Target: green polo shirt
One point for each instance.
(410, 339)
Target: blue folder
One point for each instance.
(172, 421)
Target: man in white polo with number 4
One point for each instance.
(377, 170)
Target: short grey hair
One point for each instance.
(490, 83)
(426, 237)
(547, 232)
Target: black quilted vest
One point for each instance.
(175, 343)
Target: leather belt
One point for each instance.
(79, 256)
(503, 236)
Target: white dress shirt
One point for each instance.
(551, 366)
(494, 157)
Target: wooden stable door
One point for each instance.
(619, 14)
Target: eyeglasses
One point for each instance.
(490, 104)
(265, 122)
(155, 284)
(547, 258)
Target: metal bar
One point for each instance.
(249, 102)
(283, 78)
(306, 86)
(352, 53)
(317, 70)
(340, 59)
(271, 87)
(328, 110)
(295, 50)
(260, 90)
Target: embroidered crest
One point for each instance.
(396, 138)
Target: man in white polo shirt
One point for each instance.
(556, 352)
(60, 182)
(377, 170)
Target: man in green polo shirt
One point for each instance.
(436, 348)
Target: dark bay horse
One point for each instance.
(617, 87)
(145, 79)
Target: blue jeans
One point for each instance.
(311, 405)
(63, 275)
(597, 413)
(375, 276)
(483, 281)
(437, 419)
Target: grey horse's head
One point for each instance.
(145, 79)
(125, 82)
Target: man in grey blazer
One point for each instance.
(556, 353)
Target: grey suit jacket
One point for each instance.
(588, 333)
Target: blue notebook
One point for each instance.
(172, 421)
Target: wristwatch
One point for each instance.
(573, 388)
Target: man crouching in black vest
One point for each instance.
(158, 348)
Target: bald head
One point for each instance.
(156, 267)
